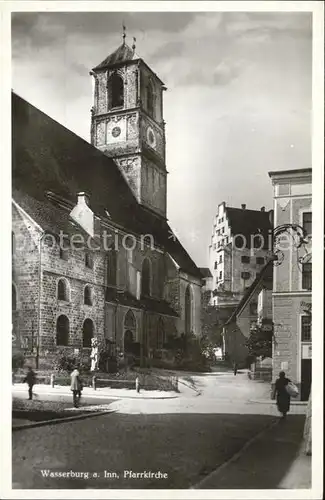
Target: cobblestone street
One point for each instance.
(184, 438)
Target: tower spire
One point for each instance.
(124, 34)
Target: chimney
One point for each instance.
(262, 209)
(82, 213)
(83, 198)
(243, 206)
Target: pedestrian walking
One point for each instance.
(281, 394)
(235, 368)
(76, 386)
(30, 379)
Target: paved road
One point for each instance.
(185, 438)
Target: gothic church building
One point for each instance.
(92, 252)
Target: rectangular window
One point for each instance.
(220, 259)
(306, 328)
(219, 243)
(89, 262)
(215, 265)
(222, 229)
(307, 222)
(245, 275)
(226, 240)
(260, 260)
(306, 276)
(220, 275)
(63, 254)
(245, 259)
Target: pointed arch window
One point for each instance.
(146, 278)
(150, 99)
(117, 91)
(129, 321)
(111, 268)
(62, 330)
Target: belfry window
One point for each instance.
(88, 296)
(150, 100)
(146, 278)
(117, 88)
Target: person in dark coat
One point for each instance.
(30, 379)
(281, 394)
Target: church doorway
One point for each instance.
(128, 342)
(130, 326)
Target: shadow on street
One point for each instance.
(185, 446)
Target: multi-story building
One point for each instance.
(240, 243)
(292, 305)
(121, 275)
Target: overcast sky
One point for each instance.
(238, 102)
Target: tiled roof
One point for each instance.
(50, 216)
(145, 303)
(48, 157)
(249, 223)
(122, 54)
(266, 274)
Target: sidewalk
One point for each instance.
(272, 460)
(101, 392)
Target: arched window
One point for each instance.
(63, 290)
(62, 330)
(160, 334)
(129, 321)
(150, 99)
(188, 310)
(117, 89)
(111, 268)
(13, 298)
(146, 278)
(88, 296)
(87, 332)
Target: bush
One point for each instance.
(17, 361)
(259, 342)
(65, 362)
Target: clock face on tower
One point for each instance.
(116, 131)
(151, 137)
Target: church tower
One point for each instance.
(127, 123)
